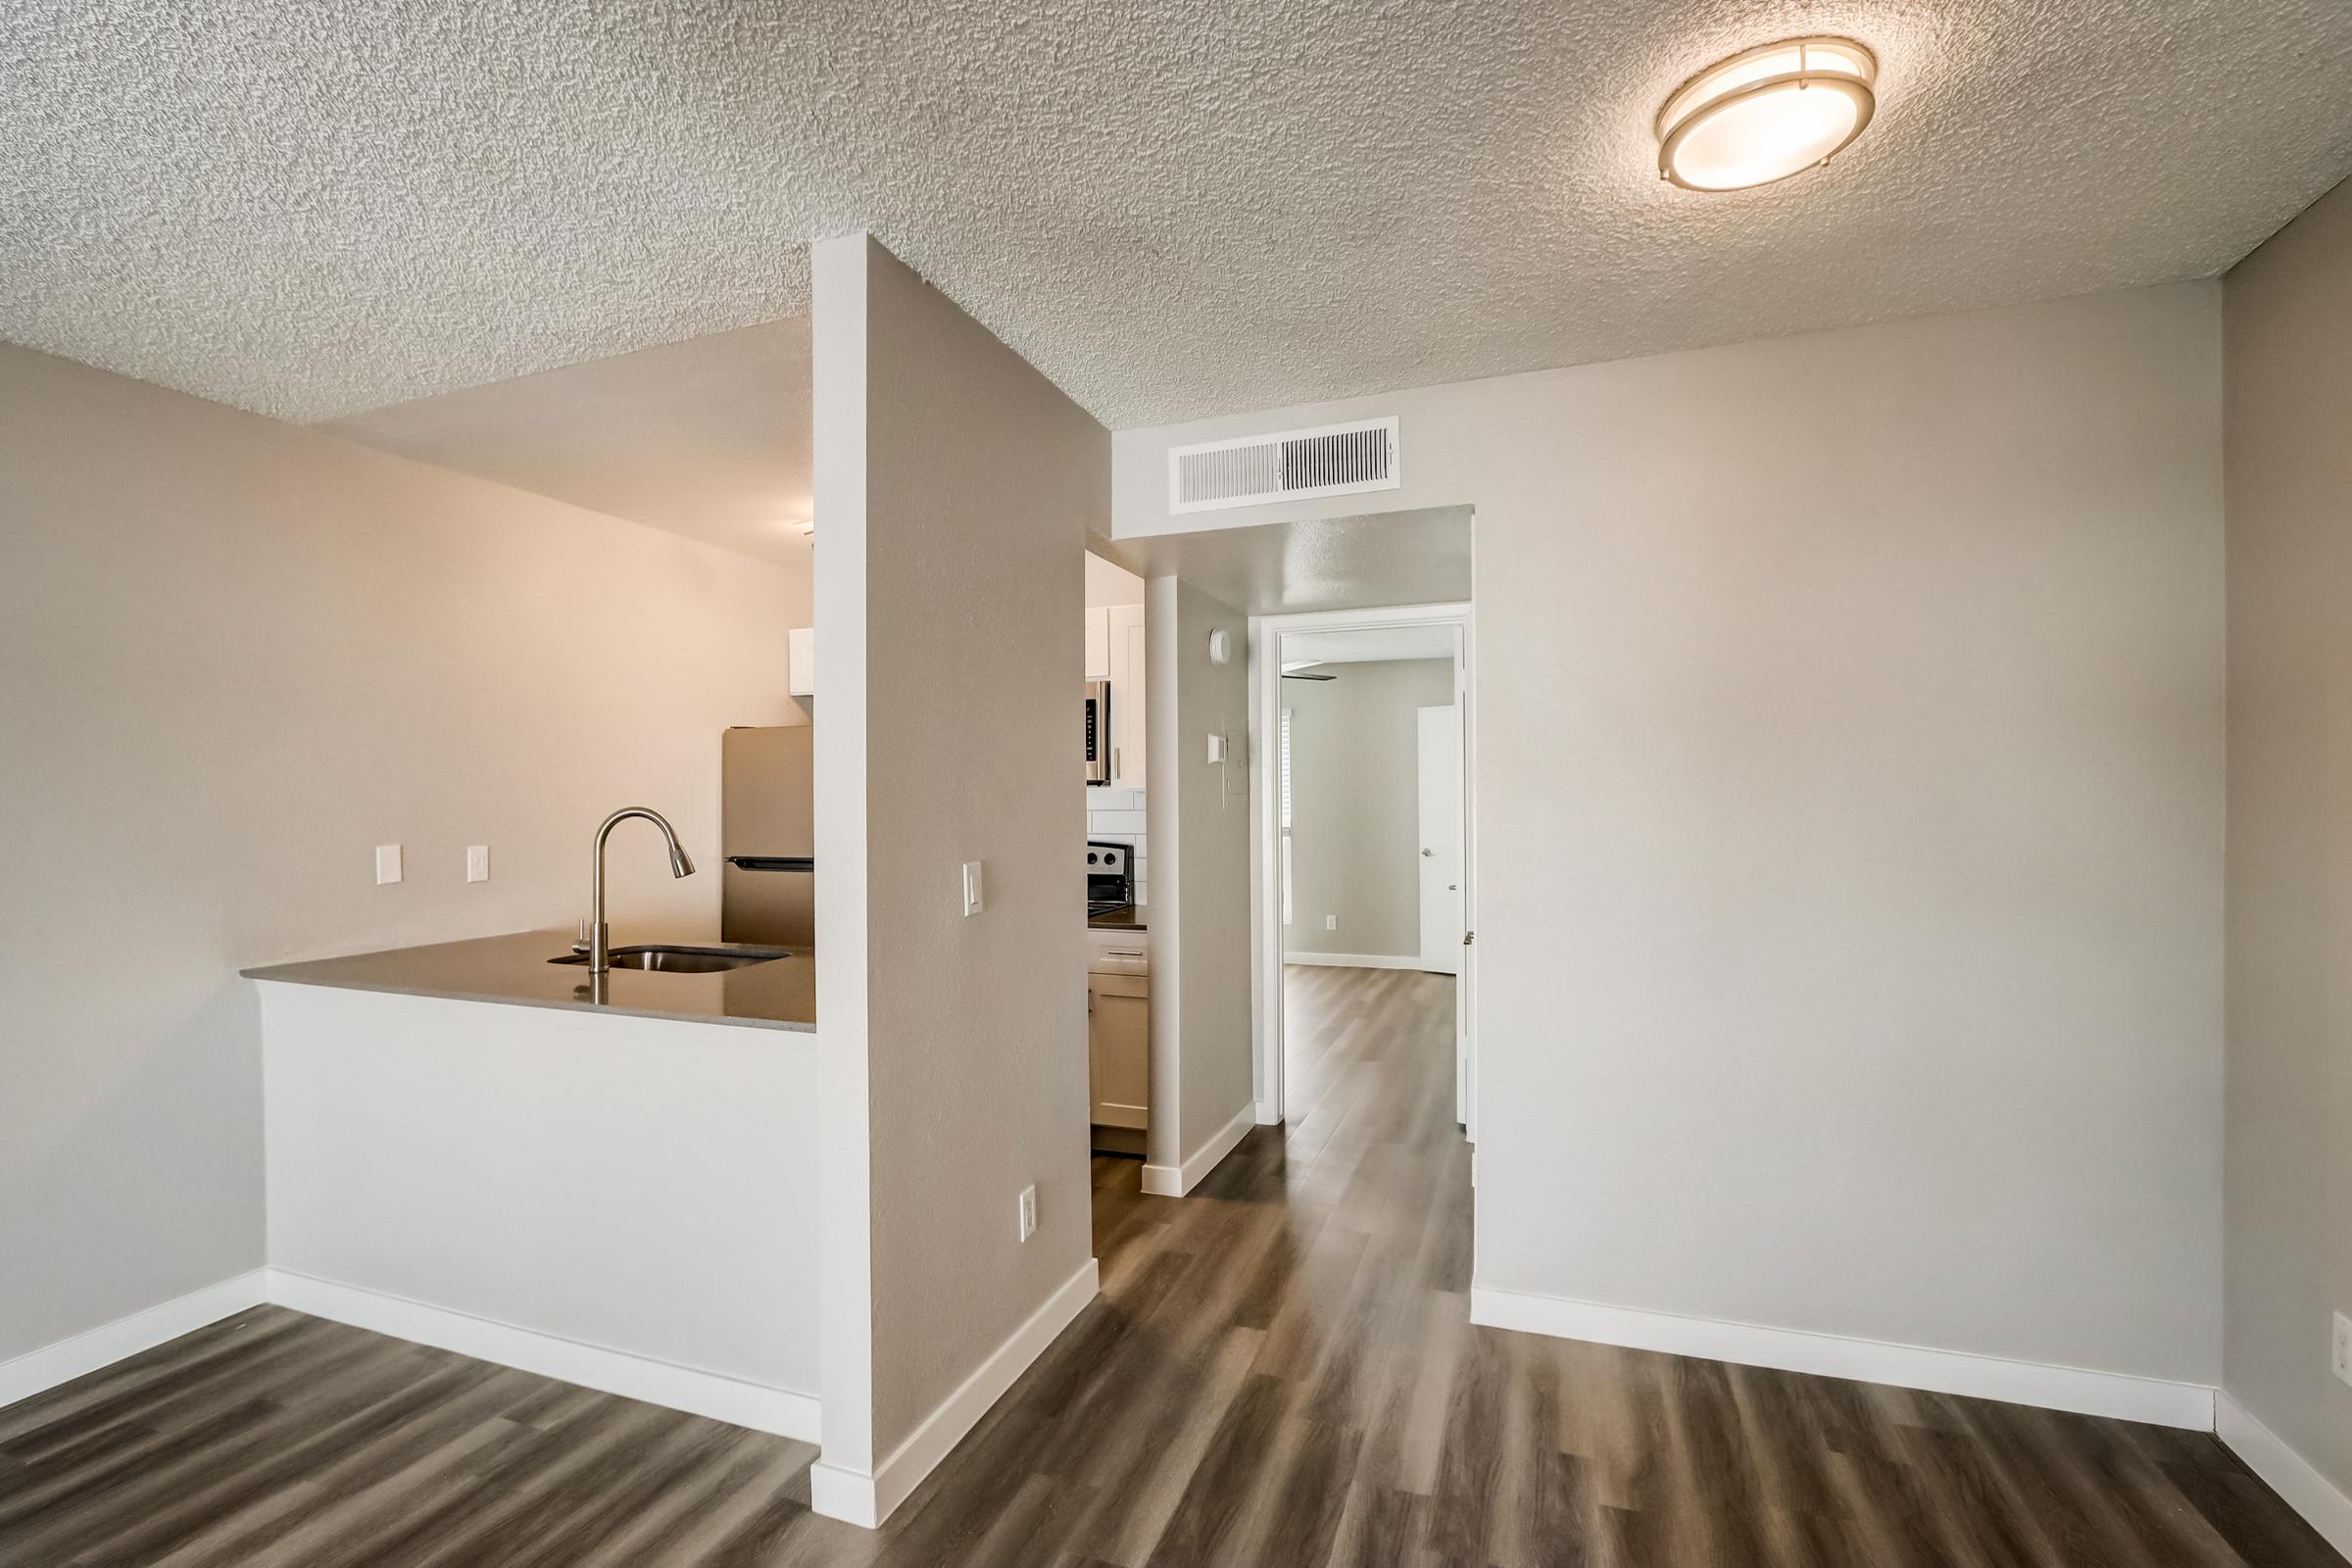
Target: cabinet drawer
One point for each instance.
(1119, 985)
(1117, 952)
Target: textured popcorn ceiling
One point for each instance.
(312, 207)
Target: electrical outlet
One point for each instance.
(477, 862)
(387, 864)
(1028, 1213)
(2341, 1358)
(1331, 922)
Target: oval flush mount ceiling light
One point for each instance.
(1766, 114)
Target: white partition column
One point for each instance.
(954, 490)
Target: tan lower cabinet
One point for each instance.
(1118, 1038)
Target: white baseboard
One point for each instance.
(867, 1500)
(1357, 960)
(38, 1371)
(2284, 1471)
(781, 1411)
(1986, 1377)
(1174, 1181)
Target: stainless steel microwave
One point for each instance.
(1098, 732)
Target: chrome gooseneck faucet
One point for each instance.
(600, 940)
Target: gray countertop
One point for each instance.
(515, 970)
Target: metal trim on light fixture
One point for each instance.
(1672, 130)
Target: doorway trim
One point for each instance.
(1265, 867)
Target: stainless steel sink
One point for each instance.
(686, 960)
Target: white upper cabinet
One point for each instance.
(1098, 645)
(1123, 633)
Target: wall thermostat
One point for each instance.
(1220, 646)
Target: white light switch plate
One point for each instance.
(973, 894)
(477, 862)
(1216, 748)
(387, 864)
(1028, 1213)
(2341, 1357)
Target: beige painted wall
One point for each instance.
(1849, 820)
(1199, 827)
(2288, 446)
(956, 486)
(1355, 797)
(237, 657)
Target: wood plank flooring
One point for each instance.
(1280, 1372)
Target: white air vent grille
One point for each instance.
(1333, 460)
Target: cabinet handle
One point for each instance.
(1119, 768)
(1122, 952)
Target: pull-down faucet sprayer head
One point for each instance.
(600, 950)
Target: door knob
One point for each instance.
(1426, 854)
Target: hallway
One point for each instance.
(1269, 1376)
(1280, 1372)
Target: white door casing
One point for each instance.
(1441, 815)
(1265, 907)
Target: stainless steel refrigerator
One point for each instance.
(767, 834)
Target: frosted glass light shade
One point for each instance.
(1766, 114)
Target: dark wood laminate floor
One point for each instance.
(1280, 1372)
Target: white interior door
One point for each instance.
(1441, 839)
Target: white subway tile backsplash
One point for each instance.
(1118, 816)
